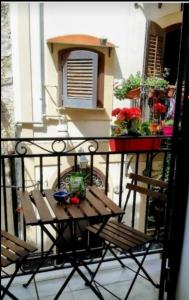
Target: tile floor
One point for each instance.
(111, 275)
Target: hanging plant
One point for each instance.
(128, 88)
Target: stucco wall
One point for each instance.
(120, 22)
(7, 118)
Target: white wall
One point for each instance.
(183, 286)
(120, 22)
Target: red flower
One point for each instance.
(133, 113)
(126, 114)
(127, 120)
(115, 112)
(159, 108)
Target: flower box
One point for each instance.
(168, 130)
(133, 94)
(135, 144)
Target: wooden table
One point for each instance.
(96, 204)
(42, 209)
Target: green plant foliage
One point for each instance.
(169, 122)
(144, 128)
(127, 85)
(156, 82)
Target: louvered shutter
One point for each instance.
(155, 51)
(80, 79)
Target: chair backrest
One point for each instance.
(149, 190)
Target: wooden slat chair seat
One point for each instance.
(120, 235)
(13, 251)
(125, 238)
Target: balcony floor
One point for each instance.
(111, 275)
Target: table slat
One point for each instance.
(97, 204)
(87, 209)
(74, 211)
(115, 208)
(43, 210)
(58, 210)
(28, 210)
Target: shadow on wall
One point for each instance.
(117, 69)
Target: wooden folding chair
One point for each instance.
(13, 251)
(126, 239)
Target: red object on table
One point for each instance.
(74, 200)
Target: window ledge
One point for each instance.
(82, 108)
(80, 39)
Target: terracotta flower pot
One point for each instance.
(154, 127)
(133, 94)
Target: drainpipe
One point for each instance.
(62, 127)
(42, 54)
(42, 67)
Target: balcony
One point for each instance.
(40, 163)
(111, 276)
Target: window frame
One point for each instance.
(62, 56)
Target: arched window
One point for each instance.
(81, 78)
(98, 178)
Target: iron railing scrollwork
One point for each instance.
(57, 146)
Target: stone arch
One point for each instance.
(98, 177)
(169, 19)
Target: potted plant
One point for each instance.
(128, 123)
(156, 83)
(158, 114)
(128, 88)
(168, 127)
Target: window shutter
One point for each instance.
(80, 79)
(155, 51)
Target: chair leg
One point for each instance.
(11, 280)
(98, 294)
(7, 292)
(36, 289)
(38, 267)
(119, 260)
(137, 272)
(144, 271)
(93, 274)
(107, 247)
(64, 285)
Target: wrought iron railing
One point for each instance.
(28, 163)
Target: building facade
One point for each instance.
(104, 42)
